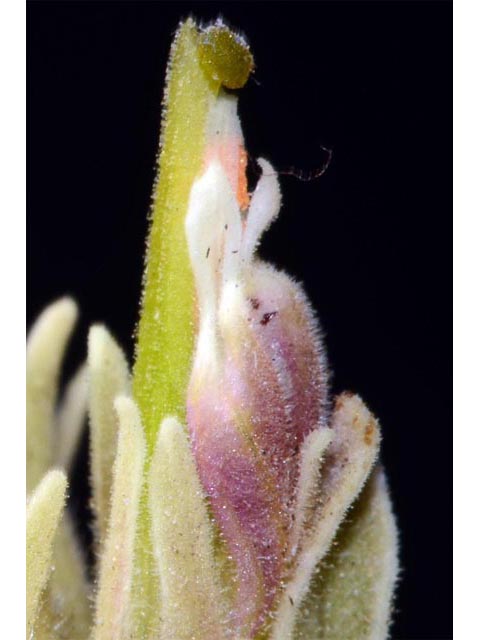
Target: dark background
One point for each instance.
(370, 238)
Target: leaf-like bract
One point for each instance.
(43, 514)
(351, 594)
(116, 566)
(71, 419)
(45, 348)
(192, 601)
(345, 468)
(109, 378)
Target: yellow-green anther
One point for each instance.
(225, 56)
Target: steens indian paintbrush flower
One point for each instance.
(259, 382)
(233, 496)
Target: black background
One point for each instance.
(370, 238)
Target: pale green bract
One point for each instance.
(163, 563)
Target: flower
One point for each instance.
(221, 469)
(259, 381)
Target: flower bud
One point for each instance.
(259, 383)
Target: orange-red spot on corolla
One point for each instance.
(232, 155)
